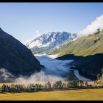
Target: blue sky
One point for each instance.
(26, 21)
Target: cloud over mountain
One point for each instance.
(93, 26)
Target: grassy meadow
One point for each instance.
(79, 94)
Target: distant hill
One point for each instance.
(15, 57)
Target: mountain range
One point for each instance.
(50, 41)
(85, 48)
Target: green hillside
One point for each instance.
(83, 46)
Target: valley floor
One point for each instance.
(79, 94)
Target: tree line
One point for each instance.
(59, 85)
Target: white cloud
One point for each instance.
(91, 28)
(36, 34)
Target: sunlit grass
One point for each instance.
(79, 94)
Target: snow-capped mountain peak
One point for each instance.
(49, 41)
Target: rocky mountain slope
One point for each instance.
(15, 57)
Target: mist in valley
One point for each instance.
(54, 70)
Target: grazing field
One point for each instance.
(79, 94)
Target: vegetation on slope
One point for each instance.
(83, 46)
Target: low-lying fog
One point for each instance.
(53, 71)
